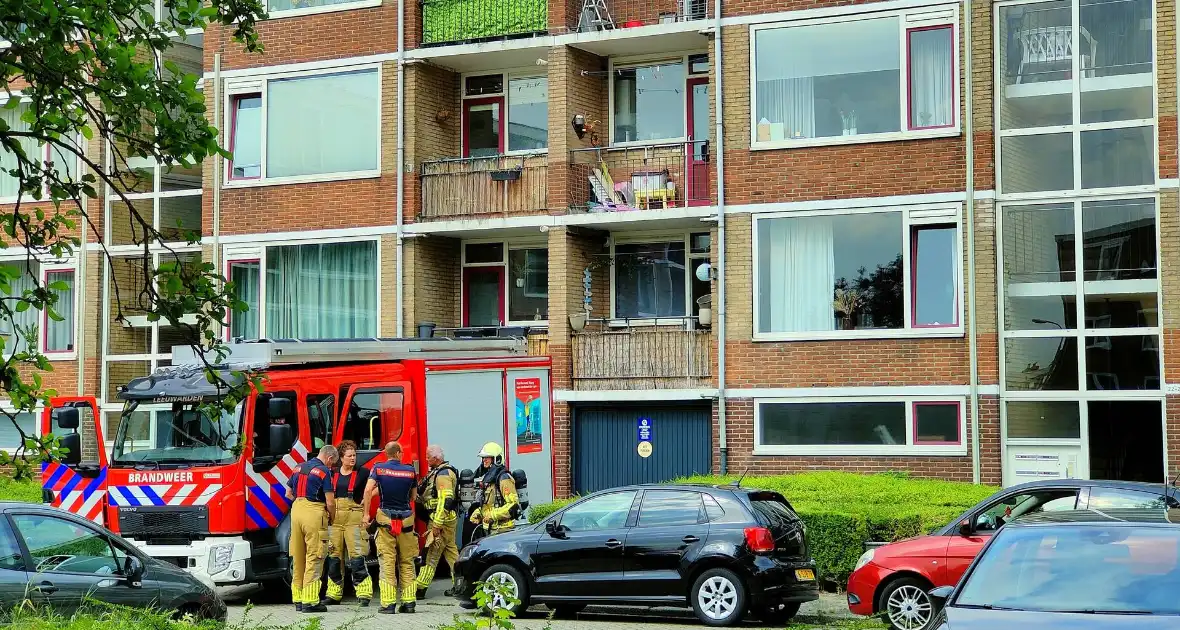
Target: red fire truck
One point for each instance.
(209, 494)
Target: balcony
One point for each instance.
(640, 177)
(611, 356)
(466, 21)
(632, 13)
(469, 188)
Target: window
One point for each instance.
(57, 545)
(608, 511)
(308, 291)
(300, 7)
(10, 438)
(1048, 420)
(55, 337)
(306, 127)
(11, 558)
(657, 279)
(244, 274)
(849, 86)
(670, 508)
(1013, 507)
(321, 414)
(63, 161)
(1102, 316)
(869, 426)
(648, 102)
(525, 102)
(487, 297)
(1120, 499)
(827, 274)
(374, 418)
(1075, 115)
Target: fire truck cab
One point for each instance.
(209, 493)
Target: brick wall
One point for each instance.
(432, 282)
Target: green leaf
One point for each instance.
(13, 103)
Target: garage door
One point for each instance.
(605, 441)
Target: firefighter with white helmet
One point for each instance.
(499, 506)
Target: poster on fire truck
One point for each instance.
(528, 415)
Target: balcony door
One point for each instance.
(697, 173)
(483, 127)
(483, 296)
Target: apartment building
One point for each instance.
(873, 267)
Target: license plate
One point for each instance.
(804, 574)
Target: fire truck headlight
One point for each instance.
(219, 558)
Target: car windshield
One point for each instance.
(1079, 568)
(186, 434)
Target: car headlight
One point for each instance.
(219, 558)
(865, 558)
(467, 552)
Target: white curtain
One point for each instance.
(245, 277)
(323, 124)
(16, 326)
(931, 84)
(789, 102)
(322, 291)
(798, 263)
(9, 185)
(59, 336)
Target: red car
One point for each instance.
(894, 580)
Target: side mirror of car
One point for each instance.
(965, 528)
(65, 417)
(938, 596)
(72, 445)
(281, 439)
(278, 407)
(133, 571)
(553, 529)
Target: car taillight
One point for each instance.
(759, 539)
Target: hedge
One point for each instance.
(461, 20)
(24, 491)
(843, 511)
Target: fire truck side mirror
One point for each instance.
(66, 417)
(278, 407)
(72, 444)
(281, 439)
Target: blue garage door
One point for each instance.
(605, 441)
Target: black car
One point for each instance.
(723, 550)
(1108, 569)
(56, 559)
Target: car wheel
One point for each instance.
(906, 604)
(566, 610)
(517, 585)
(718, 598)
(778, 613)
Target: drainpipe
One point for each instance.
(80, 287)
(217, 164)
(972, 341)
(401, 148)
(719, 107)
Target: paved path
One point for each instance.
(437, 610)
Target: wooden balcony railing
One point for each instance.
(647, 357)
(474, 187)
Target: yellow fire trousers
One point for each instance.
(348, 546)
(443, 546)
(396, 556)
(309, 532)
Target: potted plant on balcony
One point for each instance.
(845, 304)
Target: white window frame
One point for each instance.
(690, 260)
(506, 78)
(912, 216)
(257, 84)
(1076, 128)
(1080, 334)
(241, 253)
(47, 264)
(627, 63)
(907, 449)
(508, 246)
(45, 154)
(275, 14)
(36, 413)
(908, 20)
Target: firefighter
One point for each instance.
(311, 514)
(437, 505)
(500, 506)
(348, 541)
(397, 544)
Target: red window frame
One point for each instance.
(229, 264)
(909, 83)
(466, 131)
(467, 273)
(44, 343)
(939, 403)
(913, 288)
(233, 133)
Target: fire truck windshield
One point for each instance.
(186, 435)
